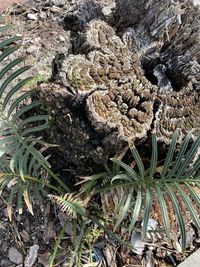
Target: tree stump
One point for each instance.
(128, 75)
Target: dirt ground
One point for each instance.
(28, 240)
(5, 4)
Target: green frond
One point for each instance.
(178, 213)
(121, 203)
(30, 190)
(154, 157)
(89, 182)
(4, 27)
(124, 209)
(164, 211)
(138, 160)
(15, 89)
(13, 143)
(8, 52)
(180, 155)
(15, 132)
(70, 204)
(121, 177)
(35, 129)
(32, 119)
(9, 66)
(147, 210)
(10, 78)
(20, 200)
(170, 155)
(141, 188)
(9, 41)
(136, 211)
(189, 205)
(10, 201)
(4, 166)
(193, 194)
(24, 109)
(22, 156)
(127, 168)
(188, 158)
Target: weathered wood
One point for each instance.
(123, 81)
(78, 16)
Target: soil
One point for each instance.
(43, 38)
(6, 4)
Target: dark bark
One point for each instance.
(139, 75)
(78, 16)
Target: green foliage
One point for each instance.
(21, 153)
(58, 241)
(176, 179)
(24, 167)
(37, 79)
(70, 204)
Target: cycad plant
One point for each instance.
(174, 183)
(22, 163)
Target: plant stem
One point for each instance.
(78, 245)
(57, 244)
(32, 179)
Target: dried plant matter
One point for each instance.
(119, 97)
(167, 190)
(152, 17)
(134, 74)
(79, 15)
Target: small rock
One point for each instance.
(65, 264)
(31, 257)
(138, 243)
(69, 228)
(44, 259)
(4, 247)
(15, 256)
(25, 235)
(55, 9)
(37, 40)
(107, 10)
(6, 263)
(49, 232)
(47, 210)
(196, 2)
(59, 3)
(31, 49)
(61, 39)
(32, 16)
(2, 227)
